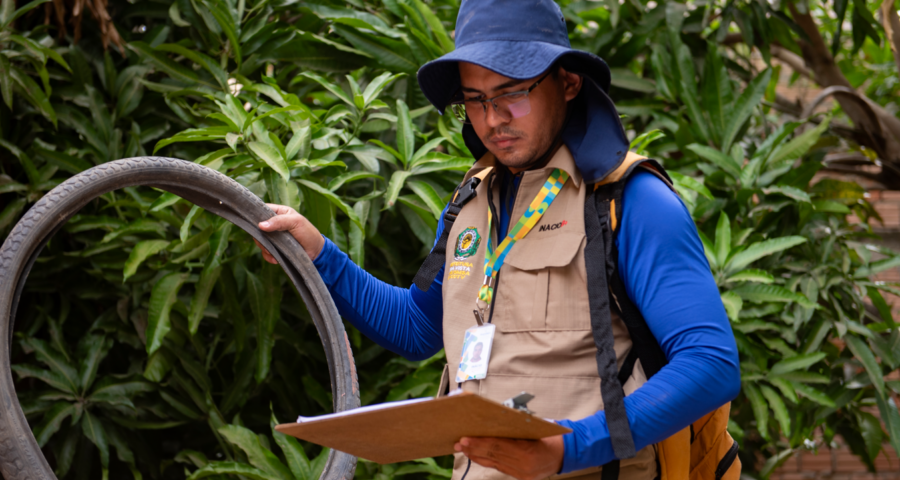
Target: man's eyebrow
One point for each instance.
(509, 83)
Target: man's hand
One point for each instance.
(287, 219)
(523, 459)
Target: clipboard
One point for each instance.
(421, 428)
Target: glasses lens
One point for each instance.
(459, 111)
(513, 106)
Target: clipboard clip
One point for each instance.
(520, 402)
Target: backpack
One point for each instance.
(713, 453)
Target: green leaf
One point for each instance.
(221, 11)
(92, 429)
(163, 62)
(752, 275)
(6, 85)
(790, 192)
(799, 145)
(760, 409)
(293, 452)
(428, 195)
(8, 15)
(872, 434)
(52, 421)
(92, 349)
(189, 219)
(163, 296)
(265, 301)
(392, 54)
(864, 354)
(688, 88)
(218, 469)
(208, 277)
(396, 184)
(733, 305)
(334, 89)
(891, 418)
(210, 65)
(140, 252)
(777, 405)
(723, 161)
(877, 267)
(811, 393)
(272, 157)
(51, 378)
(762, 249)
(374, 88)
(690, 183)
(336, 200)
(349, 177)
(757, 293)
(799, 362)
(406, 138)
(57, 363)
(137, 226)
(723, 238)
(259, 456)
(743, 107)
(785, 388)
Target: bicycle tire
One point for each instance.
(20, 455)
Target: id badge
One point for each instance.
(476, 353)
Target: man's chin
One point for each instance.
(512, 159)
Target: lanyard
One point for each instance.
(494, 259)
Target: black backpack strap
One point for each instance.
(597, 255)
(603, 208)
(435, 260)
(644, 345)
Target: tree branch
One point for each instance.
(827, 74)
(891, 23)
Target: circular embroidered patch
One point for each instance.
(467, 243)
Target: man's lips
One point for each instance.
(503, 141)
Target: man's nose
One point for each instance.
(492, 118)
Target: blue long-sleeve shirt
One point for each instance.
(666, 275)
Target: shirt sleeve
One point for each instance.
(667, 276)
(405, 321)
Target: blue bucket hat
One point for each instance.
(521, 39)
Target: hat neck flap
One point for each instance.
(594, 134)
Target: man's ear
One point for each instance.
(571, 83)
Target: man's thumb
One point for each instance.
(277, 223)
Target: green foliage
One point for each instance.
(154, 329)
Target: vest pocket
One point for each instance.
(543, 286)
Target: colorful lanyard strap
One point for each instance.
(494, 259)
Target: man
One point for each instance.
(539, 120)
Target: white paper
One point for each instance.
(368, 408)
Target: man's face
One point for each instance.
(517, 142)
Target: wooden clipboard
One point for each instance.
(418, 430)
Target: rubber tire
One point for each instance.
(20, 456)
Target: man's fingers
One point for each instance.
(278, 223)
(280, 209)
(492, 447)
(265, 253)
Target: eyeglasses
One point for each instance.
(507, 106)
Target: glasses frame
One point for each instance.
(484, 101)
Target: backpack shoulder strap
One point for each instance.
(610, 190)
(435, 260)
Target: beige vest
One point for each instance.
(543, 342)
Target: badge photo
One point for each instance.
(476, 353)
(467, 243)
